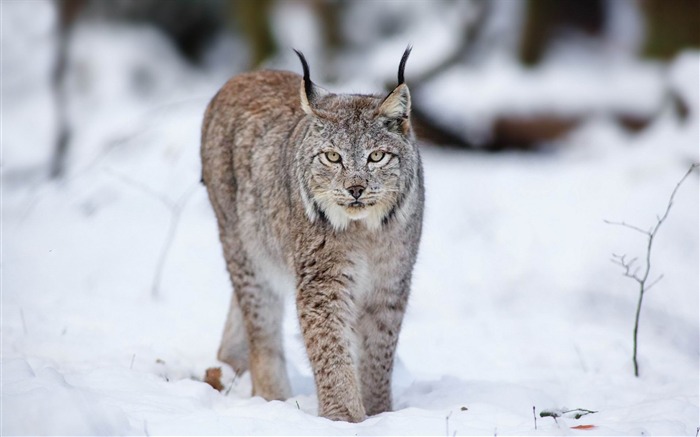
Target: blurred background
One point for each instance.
(486, 75)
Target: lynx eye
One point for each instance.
(376, 156)
(333, 156)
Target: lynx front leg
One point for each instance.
(379, 324)
(326, 317)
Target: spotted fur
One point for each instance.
(341, 235)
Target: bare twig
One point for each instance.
(534, 416)
(633, 273)
(628, 226)
(174, 207)
(576, 413)
(233, 382)
(447, 424)
(24, 322)
(579, 412)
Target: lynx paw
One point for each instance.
(353, 412)
(271, 392)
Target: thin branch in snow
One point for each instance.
(165, 200)
(654, 282)
(176, 213)
(233, 382)
(174, 207)
(643, 279)
(579, 412)
(131, 366)
(628, 226)
(534, 416)
(24, 322)
(447, 424)
(576, 413)
(626, 264)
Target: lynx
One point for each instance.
(319, 195)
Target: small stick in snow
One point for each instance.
(579, 412)
(131, 366)
(233, 381)
(534, 416)
(447, 424)
(174, 207)
(24, 322)
(628, 265)
(553, 414)
(576, 413)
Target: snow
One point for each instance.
(515, 302)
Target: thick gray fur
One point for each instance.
(340, 236)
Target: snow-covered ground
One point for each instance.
(515, 302)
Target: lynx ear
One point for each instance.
(309, 92)
(397, 104)
(396, 107)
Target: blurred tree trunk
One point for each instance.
(538, 19)
(329, 14)
(671, 26)
(68, 10)
(189, 24)
(543, 18)
(253, 18)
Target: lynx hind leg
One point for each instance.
(262, 310)
(234, 342)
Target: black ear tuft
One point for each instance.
(402, 64)
(308, 85)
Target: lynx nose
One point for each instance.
(356, 191)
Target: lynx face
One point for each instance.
(357, 174)
(360, 156)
